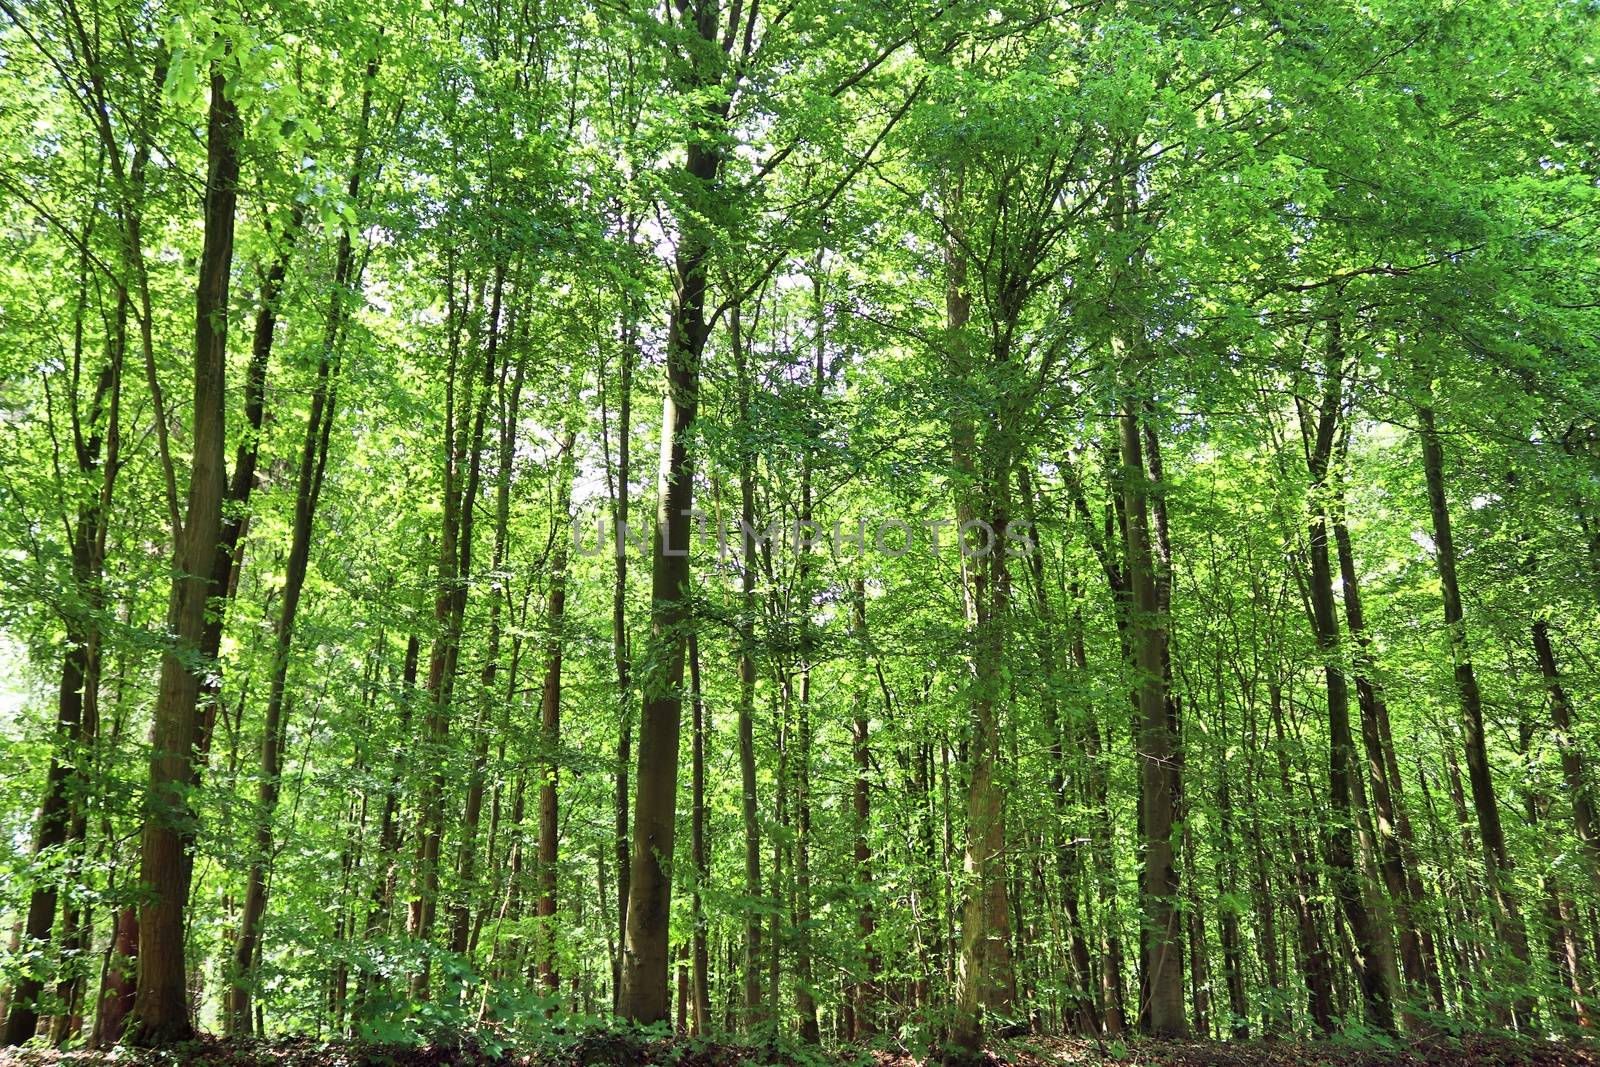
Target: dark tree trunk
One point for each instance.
(864, 994)
(161, 1008)
(1497, 861)
(61, 819)
(699, 957)
(1344, 789)
(1562, 949)
(1157, 746)
(754, 1013)
(1314, 963)
(379, 912)
(117, 989)
(462, 932)
(550, 726)
(1572, 763)
(1228, 912)
(645, 949)
(1416, 947)
(619, 648)
(313, 465)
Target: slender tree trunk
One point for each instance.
(464, 446)
(1086, 1008)
(1102, 840)
(780, 879)
(1102, 853)
(1497, 861)
(379, 912)
(863, 994)
(754, 1014)
(50, 831)
(1344, 790)
(550, 725)
(1572, 762)
(619, 641)
(1466, 917)
(509, 407)
(1314, 962)
(1563, 953)
(117, 989)
(927, 863)
(700, 958)
(985, 976)
(1272, 1015)
(805, 996)
(644, 952)
(1157, 746)
(468, 924)
(62, 820)
(161, 1008)
(313, 463)
(1199, 966)
(1228, 912)
(1416, 949)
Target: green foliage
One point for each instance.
(943, 247)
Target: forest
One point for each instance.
(591, 529)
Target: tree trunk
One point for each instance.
(313, 462)
(1416, 948)
(1561, 947)
(161, 1008)
(780, 878)
(1228, 913)
(805, 997)
(117, 990)
(1103, 856)
(985, 977)
(226, 562)
(863, 995)
(700, 958)
(387, 859)
(550, 725)
(1572, 763)
(1157, 746)
(61, 818)
(1497, 862)
(1086, 1013)
(510, 402)
(754, 1014)
(462, 445)
(644, 953)
(1344, 789)
(619, 647)
(313, 465)
(1314, 962)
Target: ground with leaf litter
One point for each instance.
(606, 1049)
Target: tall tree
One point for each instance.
(161, 1008)
(1497, 860)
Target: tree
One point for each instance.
(161, 1009)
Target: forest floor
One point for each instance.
(604, 1049)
